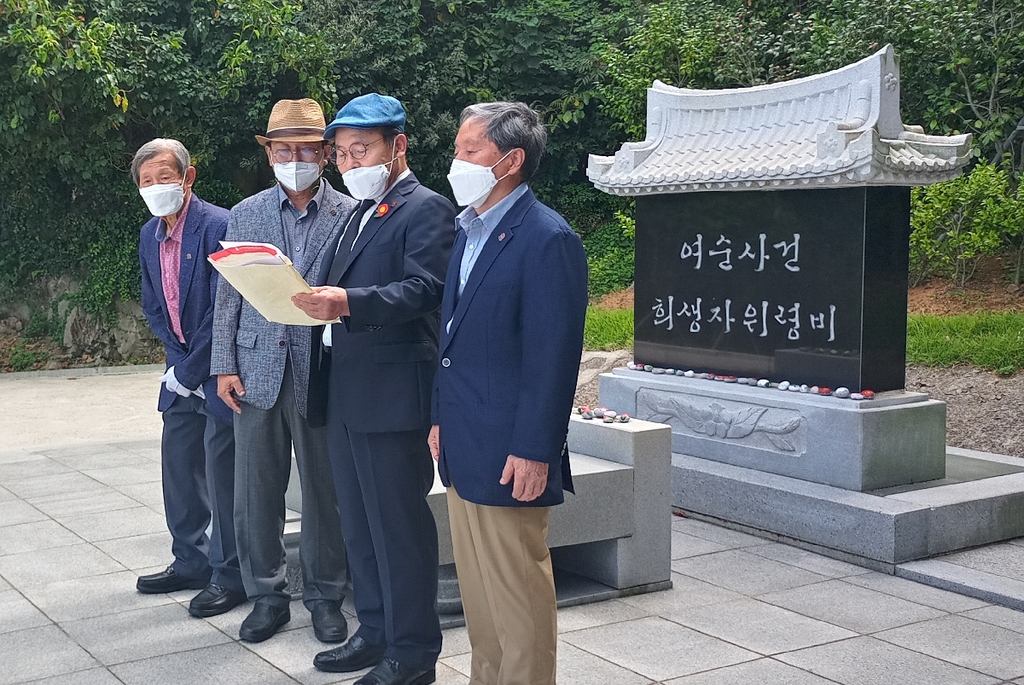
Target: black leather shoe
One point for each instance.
(390, 672)
(262, 622)
(214, 600)
(329, 624)
(168, 580)
(354, 655)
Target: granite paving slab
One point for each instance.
(685, 545)
(58, 507)
(592, 615)
(142, 634)
(119, 523)
(225, 664)
(17, 613)
(943, 600)
(851, 607)
(867, 661)
(46, 566)
(1011, 619)
(991, 650)
(657, 649)
(39, 653)
(746, 573)
(685, 592)
(39, 535)
(809, 561)
(759, 627)
(140, 553)
(16, 511)
(92, 596)
(761, 672)
(731, 539)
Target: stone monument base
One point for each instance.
(980, 501)
(894, 439)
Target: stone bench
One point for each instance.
(616, 529)
(612, 538)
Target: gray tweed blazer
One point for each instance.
(245, 343)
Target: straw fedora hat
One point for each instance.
(295, 121)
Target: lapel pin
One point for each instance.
(382, 209)
(188, 256)
(501, 237)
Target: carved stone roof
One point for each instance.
(841, 128)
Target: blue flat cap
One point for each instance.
(368, 111)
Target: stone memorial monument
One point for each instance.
(772, 237)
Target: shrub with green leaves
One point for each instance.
(957, 223)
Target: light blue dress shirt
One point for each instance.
(478, 228)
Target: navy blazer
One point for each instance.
(385, 351)
(197, 286)
(509, 362)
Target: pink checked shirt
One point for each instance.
(170, 266)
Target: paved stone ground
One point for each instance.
(81, 517)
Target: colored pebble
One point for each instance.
(689, 374)
(841, 392)
(868, 394)
(763, 383)
(784, 385)
(856, 396)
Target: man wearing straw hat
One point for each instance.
(262, 374)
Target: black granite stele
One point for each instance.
(828, 311)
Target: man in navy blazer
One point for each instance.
(198, 447)
(511, 338)
(375, 371)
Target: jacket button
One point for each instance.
(282, 343)
(446, 362)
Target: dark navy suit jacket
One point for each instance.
(197, 283)
(385, 351)
(507, 377)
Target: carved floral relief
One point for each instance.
(759, 427)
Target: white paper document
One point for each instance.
(265, 277)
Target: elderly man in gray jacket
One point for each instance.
(262, 373)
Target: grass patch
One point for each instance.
(608, 329)
(990, 340)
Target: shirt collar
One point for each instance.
(493, 216)
(286, 203)
(179, 224)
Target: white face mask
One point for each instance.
(163, 199)
(297, 176)
(473, 183)
(367, 182)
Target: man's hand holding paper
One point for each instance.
(267, 280)
(326, 303)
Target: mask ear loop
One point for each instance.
(394, 156)
(499, 162)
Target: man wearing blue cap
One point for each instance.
(375, 372)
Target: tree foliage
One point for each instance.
(83, 83)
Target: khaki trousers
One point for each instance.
(508, 591)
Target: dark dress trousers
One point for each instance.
(375, 383)
(198, 449)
